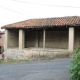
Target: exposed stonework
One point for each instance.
(14, 54)
(33, 54)
(53, 39)
(2, 33)
(13, 38)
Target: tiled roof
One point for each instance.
(46, 22)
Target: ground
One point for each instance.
(36, 70)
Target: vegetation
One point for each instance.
(75, 68)
(12, 61)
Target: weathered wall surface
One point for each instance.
(54, 39)
(40, 39)
(35, 54)
(14, 54)
(2, 41)
(13, 38)
(77, 39)
(57, 39)
(30, 39)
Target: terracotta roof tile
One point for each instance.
(38, 23)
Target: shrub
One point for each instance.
(75, 68)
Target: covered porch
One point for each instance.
(44, 38)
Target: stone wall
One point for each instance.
(54, 39)
(2, 42)
(35, 54)
(29, 39)
(14, 54)
(13, 38)
(40, 40)
(57, 39)
(77, 39)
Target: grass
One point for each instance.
(18, 61)
(13, 61)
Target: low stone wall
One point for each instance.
(47, 54)
(32, 54)
(14, 54)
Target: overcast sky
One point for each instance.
(18, 10)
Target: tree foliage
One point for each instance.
(75, 67)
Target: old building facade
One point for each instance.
(61, 33)
(2, 33)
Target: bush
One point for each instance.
(75, 68)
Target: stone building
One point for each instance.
(48, 35)
(2, 41)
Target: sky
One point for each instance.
(12, 11)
